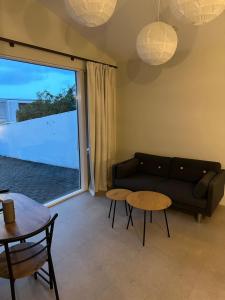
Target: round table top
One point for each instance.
(148, 200)
(118, 194)
(30, 216)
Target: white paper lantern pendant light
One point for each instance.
(157, 43)
(91, 13)
(197, 12)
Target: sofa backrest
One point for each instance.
(191, 170)
(152, 164)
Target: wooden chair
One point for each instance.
(27, 258)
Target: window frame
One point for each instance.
(82, 125)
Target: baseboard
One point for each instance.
(64, 198)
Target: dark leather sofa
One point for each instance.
(194, 186)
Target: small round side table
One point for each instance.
(149, 201)
(117, 195)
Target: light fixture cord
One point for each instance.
(159, 4)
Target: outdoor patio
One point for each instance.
(38, 181)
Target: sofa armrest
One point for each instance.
(113, 175)
(202, 187)
(124, 169)
(215, 192)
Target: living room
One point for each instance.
(155, 142)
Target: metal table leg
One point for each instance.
(114, 210)
(110, 209)
(144, 227)
(129, 207)
(130, 216)
(126, 207)
(150, 216)
(167, 226)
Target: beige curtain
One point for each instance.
(101, 80)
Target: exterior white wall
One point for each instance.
(8, 109)
(51, 140)
(12, 109)
(3, 112)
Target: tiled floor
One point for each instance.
(40, 182)
(95, 262)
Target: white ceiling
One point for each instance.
(118, 36)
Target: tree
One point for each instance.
(48, 104)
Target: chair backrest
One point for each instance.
(48, 234)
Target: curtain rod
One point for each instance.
(12, 43)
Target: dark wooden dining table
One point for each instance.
(30, 216)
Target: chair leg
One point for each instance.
(12, 287)
(110, 209)
(35, 275)
(52, 277)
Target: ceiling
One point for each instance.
(118, 36)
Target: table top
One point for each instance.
(30, 216)
(148, 200)
(118, 194)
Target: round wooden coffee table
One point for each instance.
(148, 201)
(117, 195)
(30, 216)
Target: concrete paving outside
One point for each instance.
(41, 182)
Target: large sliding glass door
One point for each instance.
(42, 131)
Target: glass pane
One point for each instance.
(39, 140)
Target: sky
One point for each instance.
(19, 80)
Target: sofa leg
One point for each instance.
(199, 218)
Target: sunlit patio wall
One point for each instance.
(51, 140)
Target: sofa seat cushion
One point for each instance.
(181, 192)
(139, 182)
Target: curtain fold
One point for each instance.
(101, 87)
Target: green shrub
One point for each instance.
(47, 104)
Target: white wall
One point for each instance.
(31, 22)
(51, 140)
(176, 109)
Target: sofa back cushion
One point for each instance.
(153, 165)
(191, 170)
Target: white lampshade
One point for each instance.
(91, 13)
(157, 43)
(198, 12)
